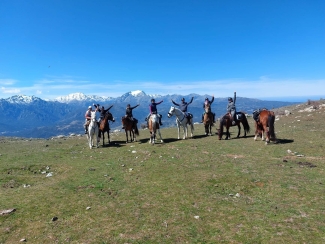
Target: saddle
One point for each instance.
(189, 117)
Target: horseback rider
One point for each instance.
(206, 102)
(87, 118)
(153, 110)
(183, 107)
(231, 108)
(102, 110)
(129, 115)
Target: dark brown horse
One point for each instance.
(265, 124)
(208, 120)
(104, 126)
(131, 126)
(226, 121)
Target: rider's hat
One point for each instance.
(89, 107)
(229, 99)
(206, 98)
(183, 99)
(152, 99)
(128, 105)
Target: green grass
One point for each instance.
(155, 194)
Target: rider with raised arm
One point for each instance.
(206, 102)
(87, 118)
(183, 106)
(153, 109)
(231, 108)
(128, 113)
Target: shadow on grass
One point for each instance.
(285, 141)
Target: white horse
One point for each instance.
(181, 120)
(153, 125)
(93, 130)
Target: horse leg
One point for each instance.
(90, 140)
(239, 128)
(97, 137)
(126, 135)
(192, 128)
(178, 130)
(161, 140)
(227, 133)
(185, 131)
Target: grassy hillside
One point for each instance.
(199, 190)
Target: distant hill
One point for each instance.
(32, 117)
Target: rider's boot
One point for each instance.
(233, 121)
(202, 119)
(160, 121)
(214, 117)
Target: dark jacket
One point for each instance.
(210, 102)
(153, 107)
(128, 111)
(231, 105)
(104, 111)
(183, 105)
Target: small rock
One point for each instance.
(92, 169)
(87, 208)
(196, 217)
(23, 240)
(49, 174)
(237, 195)
(54, 218)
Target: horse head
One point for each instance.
(109, 116)
(207, 108)
(93, 116)
(171, 112)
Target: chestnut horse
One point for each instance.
(131, 126)
(208, 119)
(153, 126)
(226, 121)
(265, 124)
(104, 126)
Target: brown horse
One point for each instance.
(265, 124)
(131, 126)
(104, 126)
(226, 121)
(208, 119)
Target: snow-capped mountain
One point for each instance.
(22, 99)
(80, 97)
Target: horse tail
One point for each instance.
(222, 122)
(136, 131)
(270, 122)
(245, 123)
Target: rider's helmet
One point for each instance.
(152, 100)
(183, 99)
(229, 99)
(206, 99)
(103, 107)
(89, 107)
(128, 105)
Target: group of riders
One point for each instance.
(231, 109)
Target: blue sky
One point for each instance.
(260, 49)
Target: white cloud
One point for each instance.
(7, 82)
(13, 91)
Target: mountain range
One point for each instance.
(33, 117)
